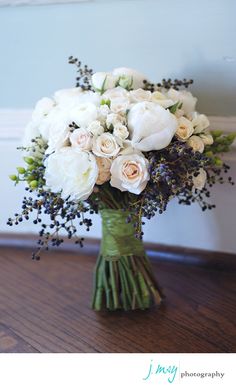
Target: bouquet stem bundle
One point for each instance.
(123, 274)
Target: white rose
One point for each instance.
(138, 95)
(161, 99)
(207, 138)
(200, 181)
(186, 98)
(71, 172)
(196, 143)
(103, 111)
(120, 131)
(70, 98)
(200, 122)
(82, 139)
(130, 173)
(95, 128)
(83, 114)
(105, 145)
(119, 99)
(102, 81)
(151, 126)
(133, 78)
(42, 109)
(104, 166)
(184, 129)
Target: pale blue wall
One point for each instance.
(192, 38)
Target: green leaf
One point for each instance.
(173, 108)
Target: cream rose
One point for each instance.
(105, 145)
(71, 172)
(95, 128)
(184, 129)
(120, 131)
(119, 99)
(113, 119)
(200, 122)
(138, 95)
(186, 98)
(104, 166)
(161, 99)
(130, 173)
(151, 126)
(83, 114)
(196, 143)
(200, 181)
(207, 138)
(82, 139)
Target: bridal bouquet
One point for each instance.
(122, 146)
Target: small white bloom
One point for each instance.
(95, 128)
(102, 81)
(161, 99)
(184, 129)
(186, 98)
(196, 143)
(133, 78)
(113, 119)
(71, 172)
(151, 126)
(130, 173)
(104, 166)
(82, 139)
(105, 145)
(119, 99)
(120, 131)
(138, 95)
(31, 132)
(207, 138)
(83, 114)
(200, 122)
(200, 181)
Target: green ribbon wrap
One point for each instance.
(118, 236)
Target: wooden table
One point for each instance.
(44, 307)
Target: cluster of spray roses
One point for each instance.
(105, 134)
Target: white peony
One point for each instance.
(95, 128)
(184, 129)
(130, 173)
(151, 126)
(83, 114)
(200, 122)
(104, 166)
(102, 81)
(207, 138)
(200, 181)
(120, 131)
(133, 78)
(71, 172)
(196, 143)
(82, 139)
(186, 98)
(42, 109)
(105, 145)
(138, 95)
(70, 98)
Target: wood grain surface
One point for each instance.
(44, 307)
